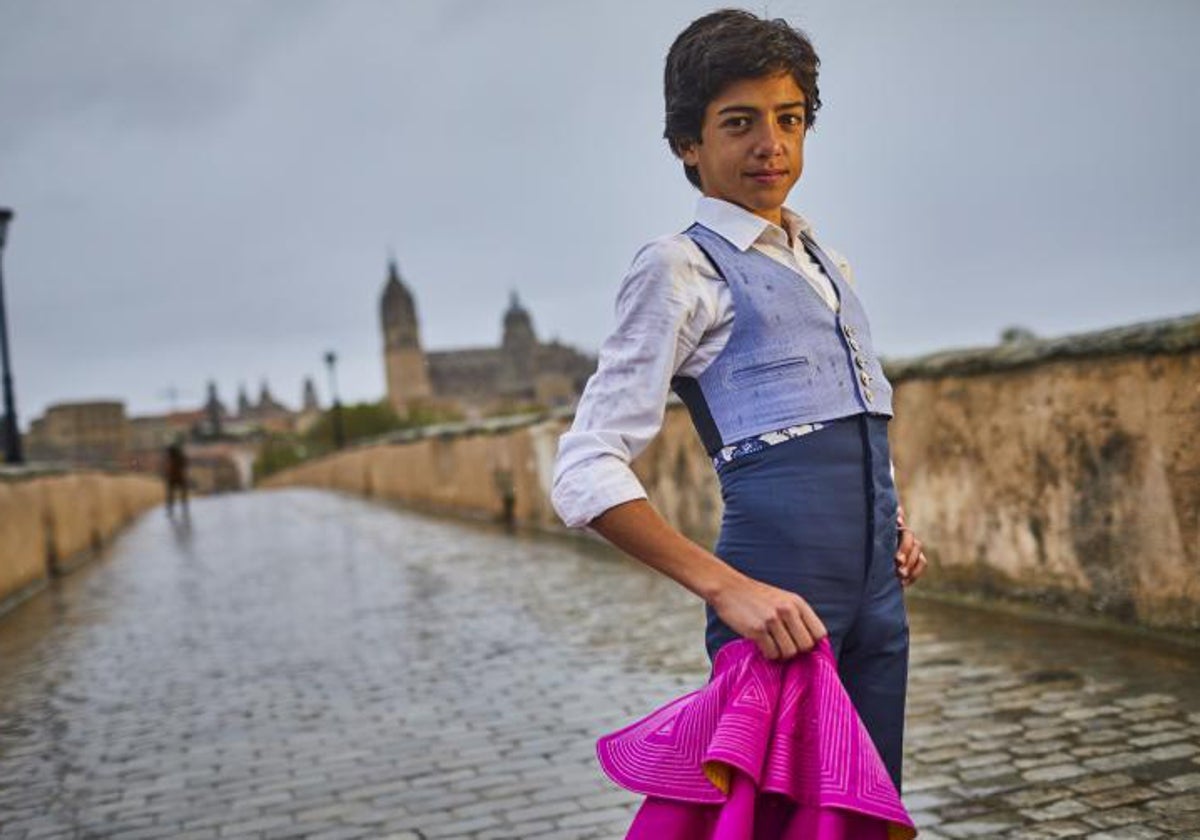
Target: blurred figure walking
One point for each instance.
(175, 474)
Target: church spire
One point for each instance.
(393, 268)
(309, 399)
(398, 310)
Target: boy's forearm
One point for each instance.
(639, 530)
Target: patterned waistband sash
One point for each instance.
(757, 443)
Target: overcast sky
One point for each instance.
(210, 190)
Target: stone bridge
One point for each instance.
(299, 663)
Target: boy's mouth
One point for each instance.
(767, 176)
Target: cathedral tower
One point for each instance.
(519, 346)
(404, 360)
(214, 410)
(309, 401)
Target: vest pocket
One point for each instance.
(766, 371)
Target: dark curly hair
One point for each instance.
(723, 47)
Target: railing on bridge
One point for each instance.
(53, 516)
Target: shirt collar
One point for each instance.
(738, 225)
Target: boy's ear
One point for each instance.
(685, 149)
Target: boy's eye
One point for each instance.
(792, 119)
(736, 122)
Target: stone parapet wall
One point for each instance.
(1062, 471)
(51, 520)
(460, 468)
(1074, 482)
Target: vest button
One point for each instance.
(860, 361)
(854, 345)
(867, 393)
(865, 377)
(848, 330)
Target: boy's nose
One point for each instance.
(769, 141)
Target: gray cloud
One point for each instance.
(130, 66)
(209, 190)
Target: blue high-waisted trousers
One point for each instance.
(816, 515)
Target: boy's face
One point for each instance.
(751, 148)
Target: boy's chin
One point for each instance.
(769, 197)
(768, 203)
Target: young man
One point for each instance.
(759, 332)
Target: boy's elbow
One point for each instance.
(564, 507)
(563, 495)
(584, 491)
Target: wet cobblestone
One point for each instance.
(304, 665)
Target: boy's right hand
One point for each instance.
(781, 623)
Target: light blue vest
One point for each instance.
(790, 359)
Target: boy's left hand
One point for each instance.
(910, 559)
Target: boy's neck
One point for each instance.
(777, 218)
(774, 215)
(789, 229)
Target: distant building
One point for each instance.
(86, 433)
(150, 434)
(220, 443)
(310, 408)
(267, 414)
(476, 380)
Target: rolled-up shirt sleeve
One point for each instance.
(660, 318)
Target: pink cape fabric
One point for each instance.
(768, 750)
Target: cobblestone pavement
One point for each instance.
(302, 664)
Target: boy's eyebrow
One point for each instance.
(750, 108)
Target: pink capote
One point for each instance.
(768, 750)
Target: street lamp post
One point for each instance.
(12, 435)
(339, 435)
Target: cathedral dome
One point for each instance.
(518, 325)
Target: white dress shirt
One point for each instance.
(674, 315)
